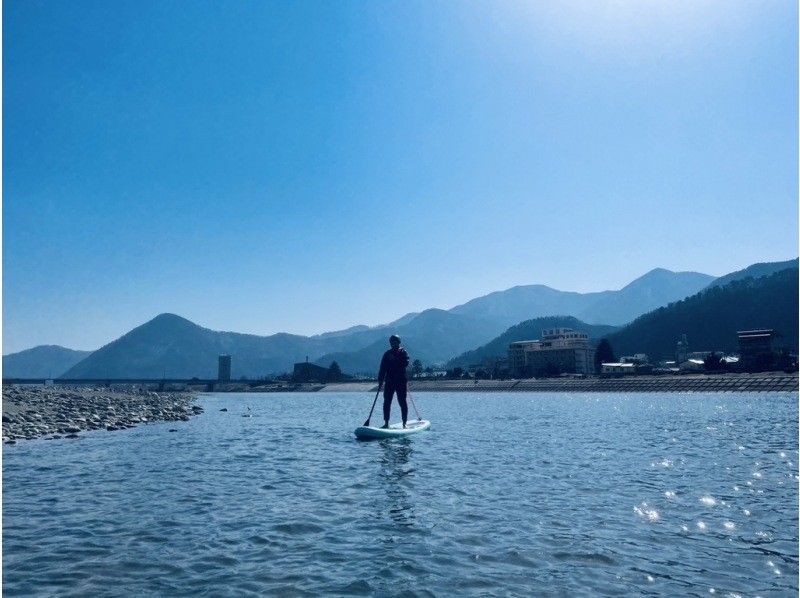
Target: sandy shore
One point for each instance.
(55, 412)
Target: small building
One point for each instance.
(693, 365)
(309, 372)
(636, 358)
(224, 368)
(756, 349)
(620, 368)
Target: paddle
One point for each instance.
(366, 423)
(408, 390)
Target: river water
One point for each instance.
(506, 494)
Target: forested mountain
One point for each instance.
(754, 271)
(44, 361)
(433, 336)
(711, 318)
(174, 347)
(655, 289)
(528, 330)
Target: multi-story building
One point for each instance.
(559, 351)
(224, 369)
(516, 357)
(756, 349)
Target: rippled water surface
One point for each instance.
(506, 494)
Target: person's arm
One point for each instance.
(382, 370)
(406, 359)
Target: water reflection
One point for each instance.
(515, 507)
(396, 471)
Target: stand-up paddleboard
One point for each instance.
(394, 431)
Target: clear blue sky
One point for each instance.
(306, 166)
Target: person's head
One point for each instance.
(394, 341)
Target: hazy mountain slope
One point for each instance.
(433, 336)
(345, 332)
(528, 330)
(521, 303)
(755, 271)
(176, 347)
(171, 346)
(44, 361)
(711, 318)
(656, 288)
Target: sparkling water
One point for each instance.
(506, 494)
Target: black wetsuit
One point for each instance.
(393, 371)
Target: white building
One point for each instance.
(560, 349)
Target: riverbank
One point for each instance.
(763, 382)
(767, 382)
(56, 411)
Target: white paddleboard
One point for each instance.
(393, 431)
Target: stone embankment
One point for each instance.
(768, 382)
(55, 412)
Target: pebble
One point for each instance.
(56, 412)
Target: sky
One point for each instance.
(306, 166)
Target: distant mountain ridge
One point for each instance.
(528, 330)
(44, 361)
(654, 289)
(711, 318)
(173, 346)
(499, 310)
(432, 336)
(755, 271)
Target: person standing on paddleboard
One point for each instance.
(393, 372)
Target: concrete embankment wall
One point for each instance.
(770, 382)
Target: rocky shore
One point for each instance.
(56, 411)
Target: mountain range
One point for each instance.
(656, 288)
(173, 346)
(528, 330)
(711, 318)
(751, 298)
